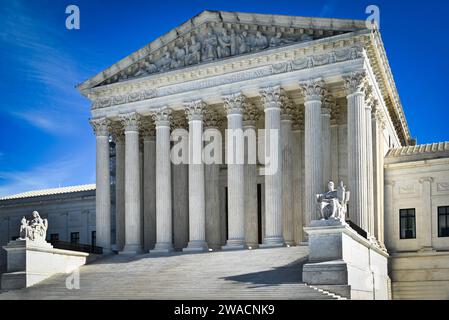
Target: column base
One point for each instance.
(234, 244)
(162, 247)
(276, 242)
(290, 243)
(252, 246)
(196, 246)
(131, 249)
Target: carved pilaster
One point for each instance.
(298, 119)
(117, 132)
(179, 121)
(195, 110)
(130, 121)
(162, 117)
(286, 107)
(212, 120)
(100, 126)
(313, 90)
(148, 129)
(234, 103)
(355, 82)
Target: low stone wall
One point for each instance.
(420, 275)
(29, 263)
(340, 257)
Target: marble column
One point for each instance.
(180, 181)
(103, 191)
(119, 139)
(378, 125)
(197, 201)
(313, 95)
(133, 223)
(357, 157)
(250, 118)
(326, 140)
(298, 176)
(335, 142)
(164, 221)
(369, 100)
(149, 185)
(287, 170)
(212, 125)
(271, 101)
(234, 105)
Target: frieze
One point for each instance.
(340, 55)
(443, 186)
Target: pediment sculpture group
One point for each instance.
(211, 45)
(34, 229)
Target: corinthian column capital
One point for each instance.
(162, 117)
(251, 113)
(195, 109)
(130, 121)
(313, 90)
(148, 128)
(271, 97)
(298, 119)
(179, 121)
(117, 132)
(100, 126)
(286, 106)
(234, 103)
(355, 82)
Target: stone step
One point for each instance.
(263, 274)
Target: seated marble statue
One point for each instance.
(34, 229)
(333, 203)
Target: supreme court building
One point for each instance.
(324, 84)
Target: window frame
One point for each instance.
(72, 237)
(446, 215)
(408, 216)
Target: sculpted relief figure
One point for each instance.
(242, 42)
(34, 229)
(277, 40)
(260, 42)
(210, 44)
(333, 203)
(178, 58)
(193, 52)
(224, 48)
(145, 67)
(164, 62)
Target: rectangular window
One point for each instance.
(54, 237)
(94, 238)
(443, 222)
(407, 223)
(75, 237)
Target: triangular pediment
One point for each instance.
(216, 35)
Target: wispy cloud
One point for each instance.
(50, 175)
(48, 121)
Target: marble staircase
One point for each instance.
(263, 274)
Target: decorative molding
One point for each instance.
(251, 113)
(271, 97)
(442, 186)
(426, 179)
(130, 121)
(286, 107)
(329, 104)
(313, 90)
(355, 82)
(136, 92)
(194, 110)
(100, 127)
(234, 103)
(407, 189)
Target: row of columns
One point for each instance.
(282, 213)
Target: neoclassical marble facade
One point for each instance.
(323, 84)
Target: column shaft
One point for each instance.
(271, 98)
(149, 196)
(197, 200)
(164, 223)
(120, 194)
(251, 217)
(103, 195)
(287, 180)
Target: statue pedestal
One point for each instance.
(343, 262)
(30, 262)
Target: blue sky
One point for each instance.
(46, 140)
